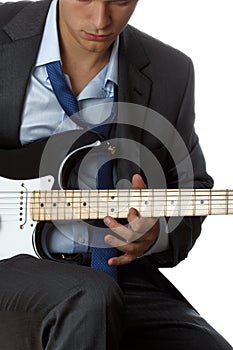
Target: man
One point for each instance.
(49, 305)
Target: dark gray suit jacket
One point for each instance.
(151, 74)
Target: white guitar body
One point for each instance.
(16, 226)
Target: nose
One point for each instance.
(101, 16)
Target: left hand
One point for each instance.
(141, 234)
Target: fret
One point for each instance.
(33, 207)
(69, 214)
(102, 203)
(172, 203)
(210, 202)
(187, 202)
(134, 199)
(126, 200)
(230, 202)
(179, 203)
(94, 205)
(60, 204)
(113, 204)
(38, 203)
(159, 203)
(146, 201)
(201, 203)
(153, 204)
(194, 202)
(218, 203)
(76, 205)
(54, 210)
(42, 205)
(227, 202)
(84, 205)
(166, 211)
(46, 205)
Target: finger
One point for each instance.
(138, 183)
(116, 242)
(131, 250)
(121, 260)
(139, 224)
(122, 231)
(135, 221)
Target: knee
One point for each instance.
(102, 292)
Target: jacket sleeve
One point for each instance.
(183, 232)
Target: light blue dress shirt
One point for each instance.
(43, 116)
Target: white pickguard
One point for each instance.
(16, 226)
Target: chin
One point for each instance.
(98, 48)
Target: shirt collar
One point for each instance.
(50, 53)
(47, 52)
(112, 71)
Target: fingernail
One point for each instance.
(109, 239)
(107, 220)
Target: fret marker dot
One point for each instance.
(84, 204)
(42, 205)
(68, 204)
(54, 204)
(202, 201)
(146, 202)
(112, 197)
(172, 202)
(112, 209)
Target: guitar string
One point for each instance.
(122, 195)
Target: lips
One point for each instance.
(95, 37)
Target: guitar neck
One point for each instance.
(96, 204)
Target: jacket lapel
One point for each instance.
(18, 55)
(134, 85)
(134, 88)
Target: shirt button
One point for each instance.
(81, 240)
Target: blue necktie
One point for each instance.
(61, 88)
(100, 256)
(68, 102)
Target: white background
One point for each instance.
(203, 30)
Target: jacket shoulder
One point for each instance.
(27, 15)
(9, 9)
(153, 46)
(164, 59)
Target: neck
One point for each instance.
(76, 60)
(80, 64)
(82, 67)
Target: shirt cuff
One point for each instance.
(162, 242)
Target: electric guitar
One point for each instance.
(26, 205)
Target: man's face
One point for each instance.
(93, 25)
